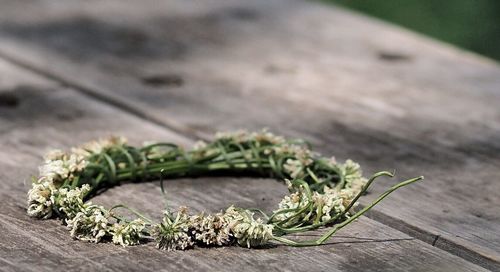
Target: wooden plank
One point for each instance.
(303, 70)
(47, 114)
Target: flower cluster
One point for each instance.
(211, 229)
(70, 202)
(62, 167)
(331, 203)
(242, 136)
(90, 224)
(323, 205)
(247, 230)
(353, 175)
(40, 199)
(56, 190)
(60, 170)
(128, 234)
(173, 234)
(220, 229)
(98, 146)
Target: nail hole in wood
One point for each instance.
(435, 240)
(277, 69)
(8, 100)
(243, 14)
(393, 56)
(163, 80)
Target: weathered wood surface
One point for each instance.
(37, 114)
(355, 87)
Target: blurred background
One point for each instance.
(470, 24)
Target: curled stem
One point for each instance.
(339, 226)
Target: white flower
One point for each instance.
(248, 231)
(53, 155)
(299, 152)
(40, 199)
(294, 168)
(98, 146)
(238, 136)
(158, 152)
(332, 161)
(199, 145)
(252, 233)
(263, 137)
(53, 169)
(353, 175)
(211, 229)
(63, 167)
(57, 169)
(292, 202)
(91, 224)
(70, 202)
(173, 234)
(76, 163)
(129, 233)
(326, 205)
(267, 137)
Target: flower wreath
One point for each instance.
(323, 193)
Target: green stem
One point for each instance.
(132, 211)
(340, 215)
(339, 226)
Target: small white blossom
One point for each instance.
(211, 229)
(98, 146)
(173, 234)
(53, 169)
(40, 199)
(247, 230)
(63, 168)
(353, 175)
(238, 136)
(293, 201)
(54, 155)
(326, 205)
(332, 161)
(58, 168)
(294, 168)
(70, 202)
(127, 234)
(267, 137)
(199, 145)
(158, 152)
(91, 224)
(299, 152)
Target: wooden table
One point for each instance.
(180, 70)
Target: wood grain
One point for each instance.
(49, 115)
(303, 70)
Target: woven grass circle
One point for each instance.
(323, 192)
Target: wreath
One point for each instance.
(323, 192)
